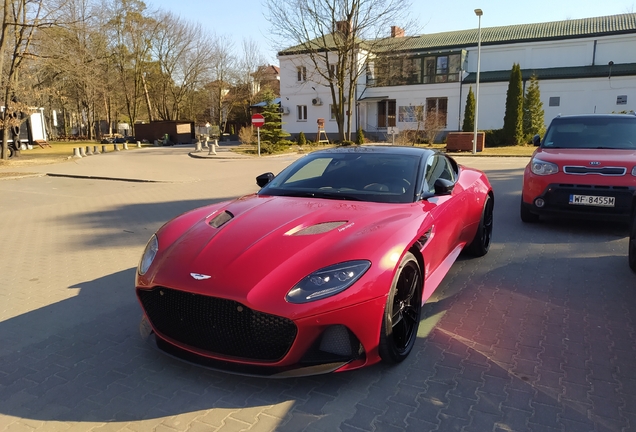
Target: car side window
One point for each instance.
(437, 166)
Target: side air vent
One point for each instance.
(221, 219)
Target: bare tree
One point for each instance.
(21, 19)
(434, 123)
(337, 37)
(73, 57)
(223, 78)
(250, 73)
(183, 53)
(130, 30)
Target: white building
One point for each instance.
(583, 65)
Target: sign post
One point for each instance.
(258, 120)
(393, 131)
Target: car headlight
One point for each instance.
(149, 255)
(539, 167)
(634, 171)
(327, 281)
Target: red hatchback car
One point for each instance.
(584, 167)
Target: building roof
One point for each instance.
(554, 30)
(275, 102)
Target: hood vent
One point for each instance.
(221, 219)
(320, 228)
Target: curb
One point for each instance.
(88, 177)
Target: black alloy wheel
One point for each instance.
(483, 237)
(402, 312)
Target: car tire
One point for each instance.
(632, 243)
(402, 312)
(483, 237)
(526, 215)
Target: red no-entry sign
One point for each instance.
(258, 120)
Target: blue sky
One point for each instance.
(240, 19)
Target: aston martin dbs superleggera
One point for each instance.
(324, 269)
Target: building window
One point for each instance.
(436, 113)
(410, 114)
(332, 111)
(386, 113)
(621, 100)
(555, 101)
(370, 74)
(333, 70)
(302, 73)
(301, 112)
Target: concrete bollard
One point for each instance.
(125, 146)
(205, 143)
(104, 150)
(213, 148)
(198, 148)
(95, 150)
(115, 147)
(82, 152)
(89, 152)
(138, 144)
(76, 153)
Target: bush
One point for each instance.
(302, 140)
(359, 136)
(495, 138)
(347, 143)
(246, 135)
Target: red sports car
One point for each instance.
(585, 167)
(324, 269)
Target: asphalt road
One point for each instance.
(538, 335)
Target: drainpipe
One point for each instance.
(459, 115)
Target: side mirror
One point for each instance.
(536, 140)
(443, 186)
(263, 179)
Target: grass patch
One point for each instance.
(58, 152)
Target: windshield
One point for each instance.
(374, 177)
(616, 132)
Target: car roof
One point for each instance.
(379, 149)
(583, 116)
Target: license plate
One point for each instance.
(591, 200)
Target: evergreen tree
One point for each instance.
(469, 112)
(272, 133)
(360, 136)
(513, 119)
(302, 139)
(533, 114)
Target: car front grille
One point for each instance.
(605, 171)
(218, 326)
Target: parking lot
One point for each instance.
(538, 335)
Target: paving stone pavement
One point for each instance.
(538, 335)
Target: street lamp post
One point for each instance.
(479, 13)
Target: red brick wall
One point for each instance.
(463, 141)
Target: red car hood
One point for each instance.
(263, 251)
(606, 157)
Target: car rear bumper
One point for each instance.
(557, 201)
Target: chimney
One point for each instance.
(397, 32)
(343, 27)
